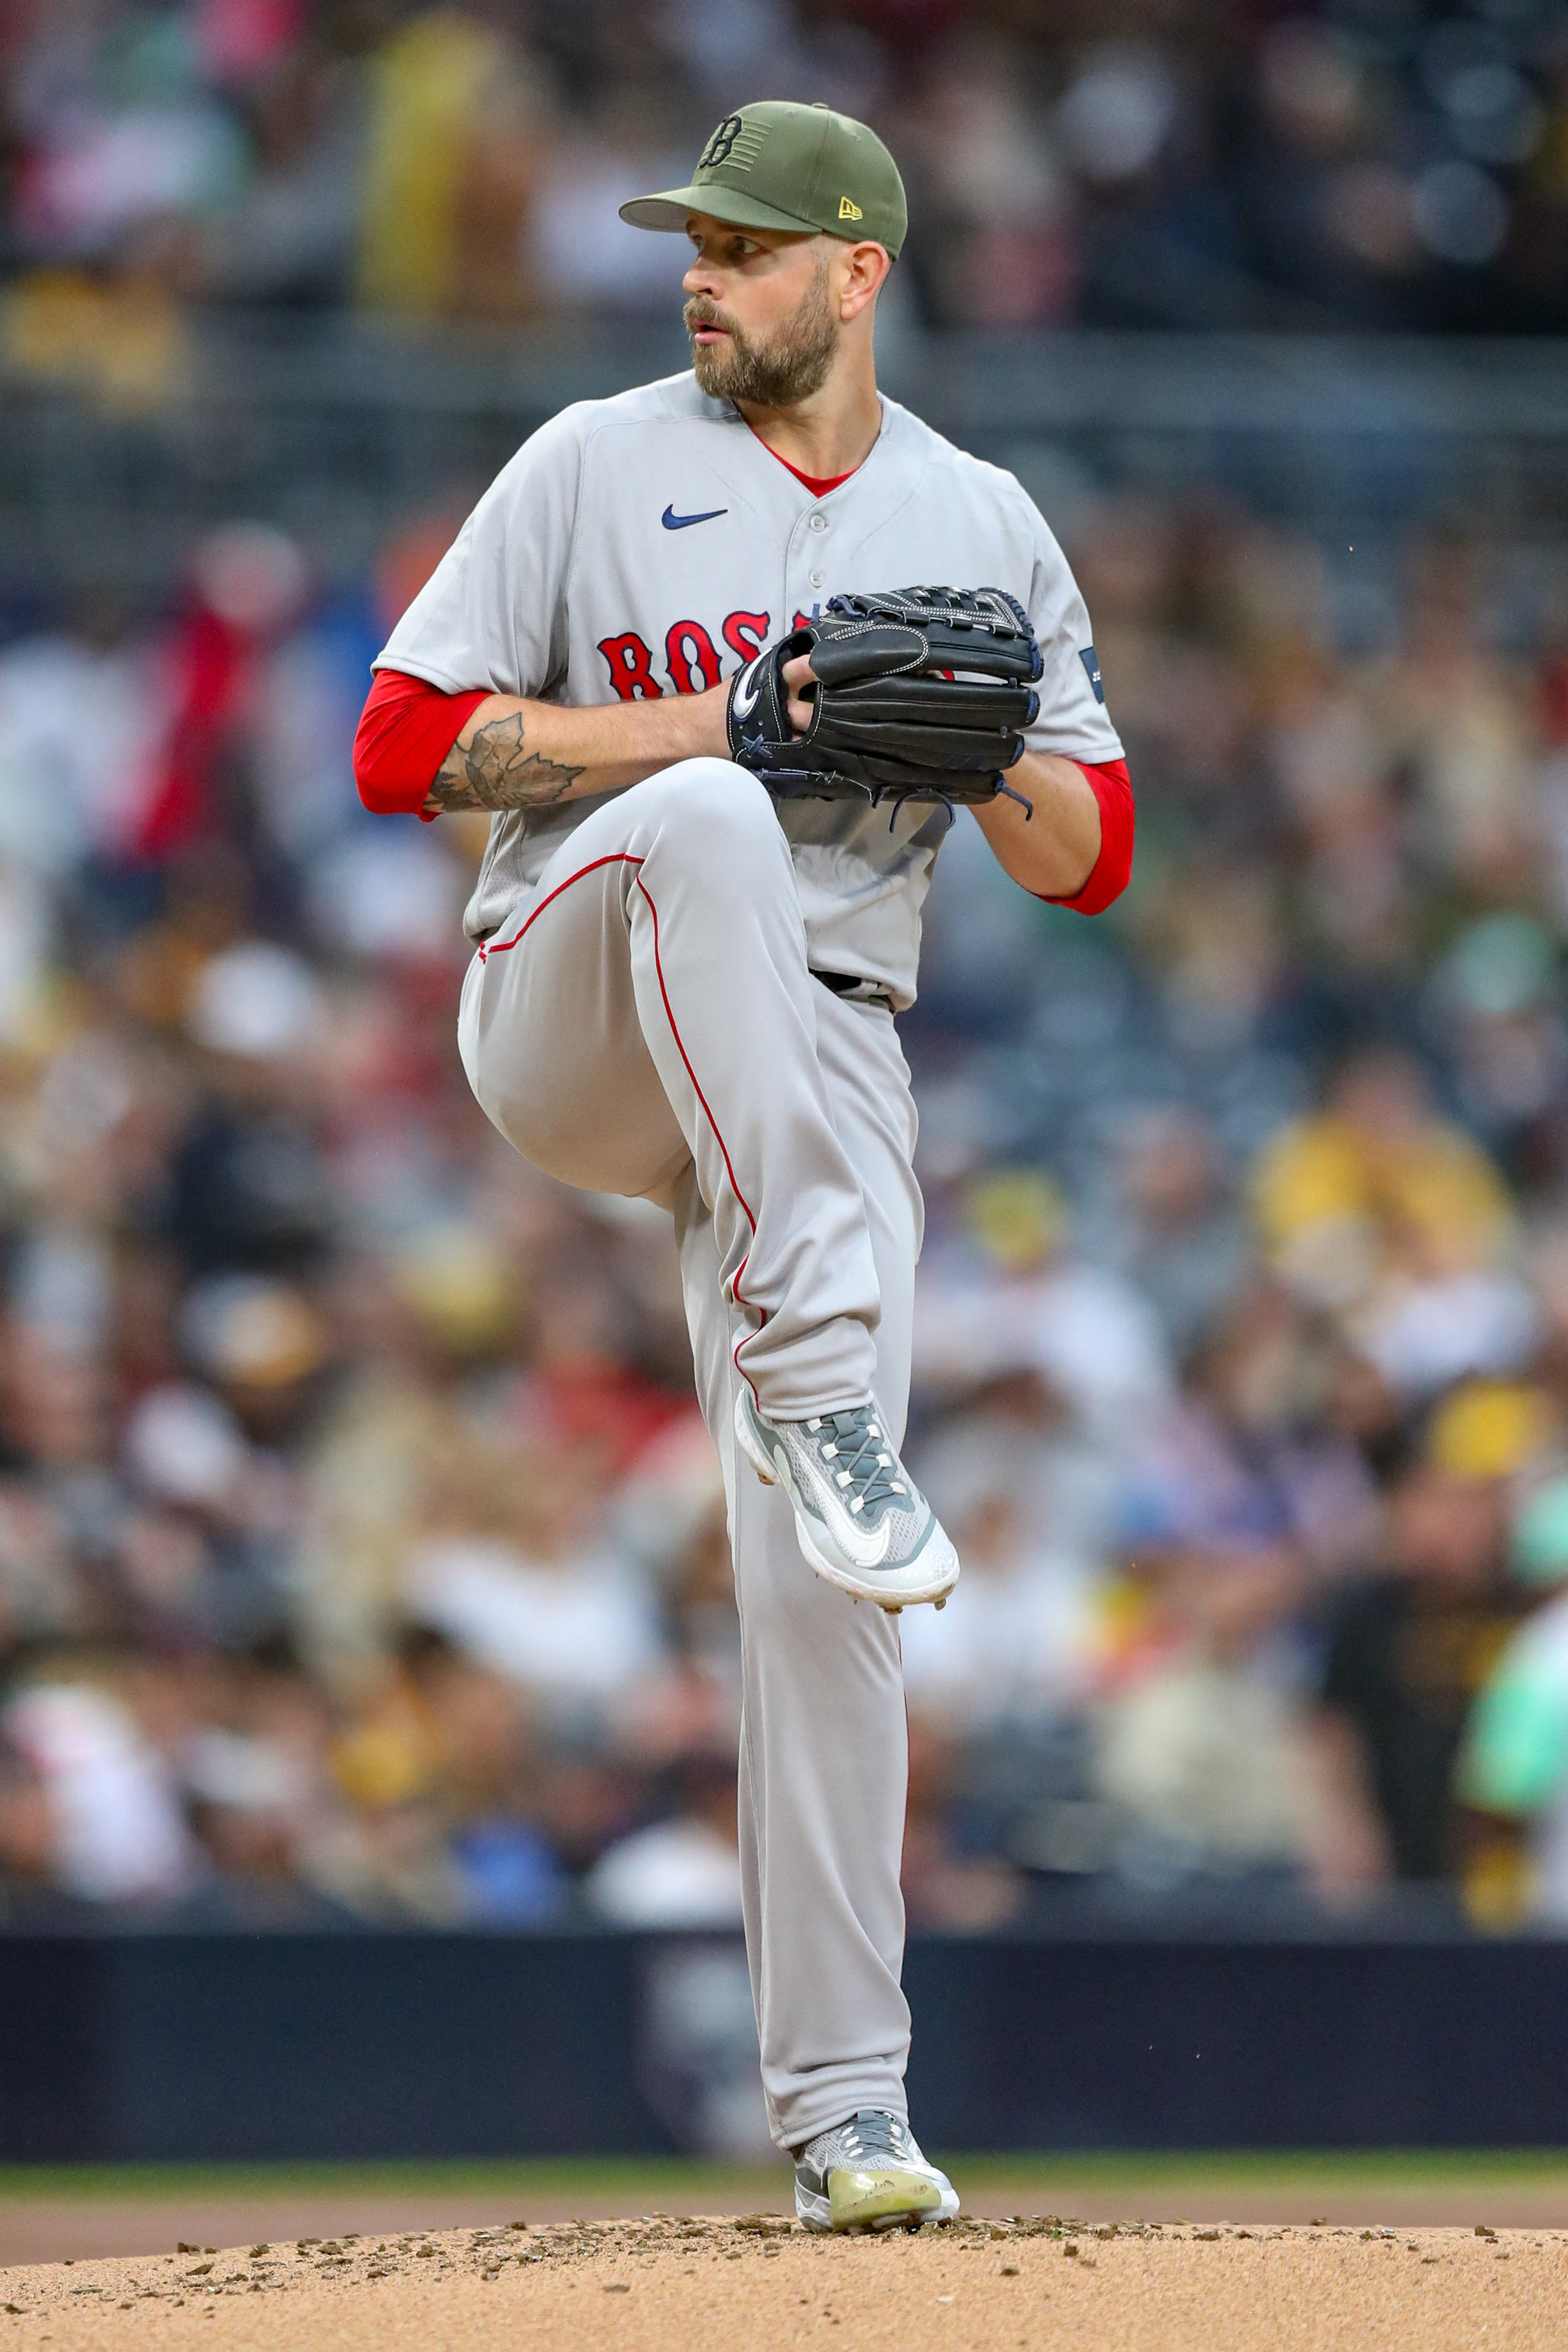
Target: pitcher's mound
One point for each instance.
(670, 2283)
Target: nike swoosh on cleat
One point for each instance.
(673, 521)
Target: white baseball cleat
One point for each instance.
(862, 1520)
(868, 2174)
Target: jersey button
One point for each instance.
(817, 578)
(819, 522)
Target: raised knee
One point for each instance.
(714, 797)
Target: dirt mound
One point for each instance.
(683, 2284)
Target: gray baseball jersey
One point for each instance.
(651, 545)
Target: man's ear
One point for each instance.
(865, 266)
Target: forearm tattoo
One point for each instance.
(495, 772)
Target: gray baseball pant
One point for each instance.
(646, 1023)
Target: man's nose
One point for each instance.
(700, 278)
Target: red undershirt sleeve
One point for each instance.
(405, 731)
(1113, 788)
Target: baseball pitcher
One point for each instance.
(726, 656)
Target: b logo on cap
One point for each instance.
(848, 211)
(719, 147)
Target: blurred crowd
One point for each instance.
(1212, 163)
(361, 1553)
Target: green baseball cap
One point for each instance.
(779, 164)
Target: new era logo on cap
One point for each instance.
(848, 211)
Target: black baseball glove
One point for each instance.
(923, 694)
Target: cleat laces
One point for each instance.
(871, 2140)
(876, 2136)
(862, 1461)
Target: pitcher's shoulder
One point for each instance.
(562, 446)
(671, 399)
(955, 471)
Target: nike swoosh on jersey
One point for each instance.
(673, 521)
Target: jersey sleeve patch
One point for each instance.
(1090, 660)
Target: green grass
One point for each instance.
(675, 2184)
(1277, 2169)
(555, 2177)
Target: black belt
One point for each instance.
(847, 983)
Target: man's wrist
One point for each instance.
(701, 729)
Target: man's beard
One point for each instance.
(787, 368)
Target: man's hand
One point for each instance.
(799, 677)
(516, 754)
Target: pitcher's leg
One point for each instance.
(721, 1086)
(730, 1010)
(553, 1047)
(824, 1754)
(685, 883)
(824, 1765)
